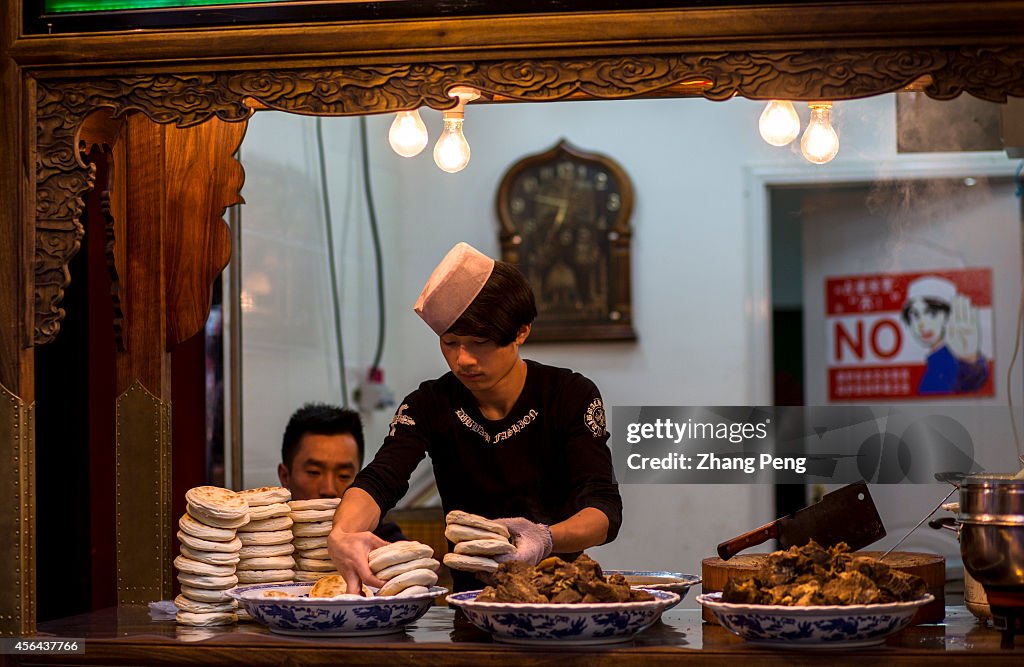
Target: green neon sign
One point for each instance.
(67, 6)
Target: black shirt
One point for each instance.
(545, 461)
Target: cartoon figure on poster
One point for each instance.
(945, 323)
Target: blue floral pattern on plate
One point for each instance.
(299, 614)
(597, 623)
(839, 626)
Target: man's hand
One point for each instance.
(532, 541)
(348, 551)
(962, 330)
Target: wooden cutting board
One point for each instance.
(715, 572)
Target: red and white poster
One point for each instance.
(901, 336)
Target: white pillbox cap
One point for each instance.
(931, 287)
(452, 286)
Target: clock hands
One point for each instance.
(563, 207)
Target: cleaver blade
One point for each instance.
(845, 515)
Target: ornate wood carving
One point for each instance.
(987, 73)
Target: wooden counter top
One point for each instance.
(126, 635)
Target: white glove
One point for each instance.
(532, 541)
(962, 330)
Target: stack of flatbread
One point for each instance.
(407, 568)
(313, 520)
(477, 540)
(266, 554)
(209, 553)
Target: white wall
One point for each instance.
(692, 275)
(919, 225)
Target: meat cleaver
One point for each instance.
(845, 515)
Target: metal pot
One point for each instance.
(991, 521)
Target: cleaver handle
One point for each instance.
(730, 548)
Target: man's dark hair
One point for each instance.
(504, 304)
(931, 307)
(320, 419)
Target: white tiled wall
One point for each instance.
(691, 273)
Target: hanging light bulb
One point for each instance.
(408, 134)
(451, 152)
(820, 142)
(779, 123)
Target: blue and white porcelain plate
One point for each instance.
(577, 624)
(813, 627)
(675, 582)
(349, 616)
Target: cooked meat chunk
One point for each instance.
(554, 580)
(811, 575)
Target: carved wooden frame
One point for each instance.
(990, 73)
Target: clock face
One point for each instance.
(563, 212)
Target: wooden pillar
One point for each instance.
(17, 443)
(171, 186)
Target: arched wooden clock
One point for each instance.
(564, 217)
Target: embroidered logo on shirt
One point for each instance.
(471, 424)
(401, 418)
(512, 430)
(594, 417)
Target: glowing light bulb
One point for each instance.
(408, 134)
(779, 123)
(820, 142)
(451, 152)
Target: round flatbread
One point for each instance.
(211, 595)
(417, 564)
(215, 521)
(456, 532)
(268, 511)
(470, 563)
(243, 616)
(484, 547)
(475, 521)
(309, 516)
(195, 567)
(315, 565)
(207, 582)
(205, 620)
(183, 603)
(323, 553)
(318, 529)
(266, 563)
(265, 539)
(266, 495)
(267, 525)
(412, 590)
(305, 575)
(189, 525)
(307, 543)
(265, 576)
(328, 586)
(407, 579)
(223, 504)
(397, 552)
(265, 551)
(210, 557)
(314, 504)
(199, 544)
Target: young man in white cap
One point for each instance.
(945, 323)
(509, 439)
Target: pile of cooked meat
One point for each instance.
(554, 580)
(812, 575)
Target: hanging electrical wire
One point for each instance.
(378, 259)
(331, 263)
